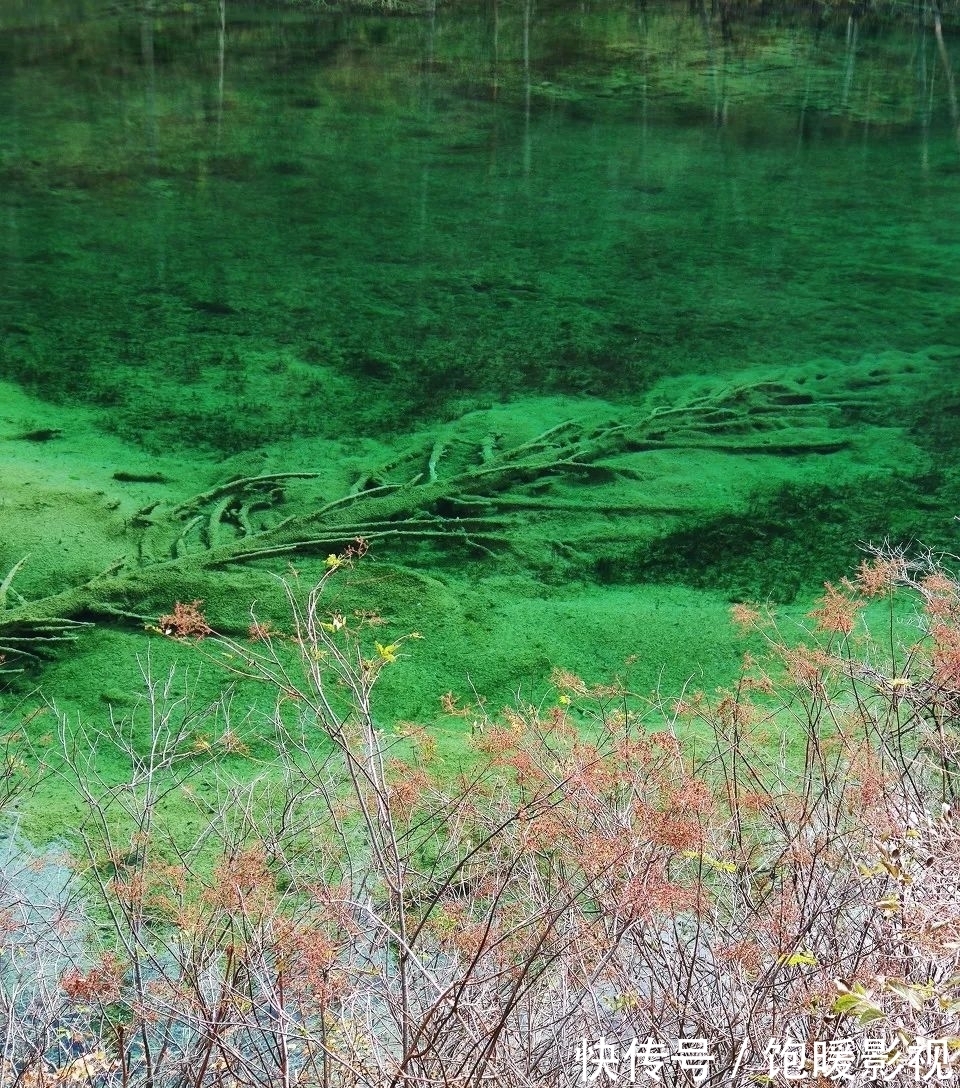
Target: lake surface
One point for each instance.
(289, 242)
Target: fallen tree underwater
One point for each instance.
(468, 486)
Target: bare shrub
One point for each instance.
(755, 883)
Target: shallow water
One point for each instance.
(302, 242)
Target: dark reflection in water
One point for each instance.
(499, 200)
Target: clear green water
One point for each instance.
(405, 210)
(309, 241)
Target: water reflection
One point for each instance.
(504, 199)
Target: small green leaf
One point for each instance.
(803, 957)
(858, 1004)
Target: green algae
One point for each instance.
(323, 241)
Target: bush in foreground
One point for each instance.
(754, 886)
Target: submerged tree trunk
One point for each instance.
(467, 487)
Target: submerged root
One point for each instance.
(26, 640)
(5, 585)
(469, 486)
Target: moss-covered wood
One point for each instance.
(470, 485)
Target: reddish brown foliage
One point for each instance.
(185, 621)
(101, 982)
